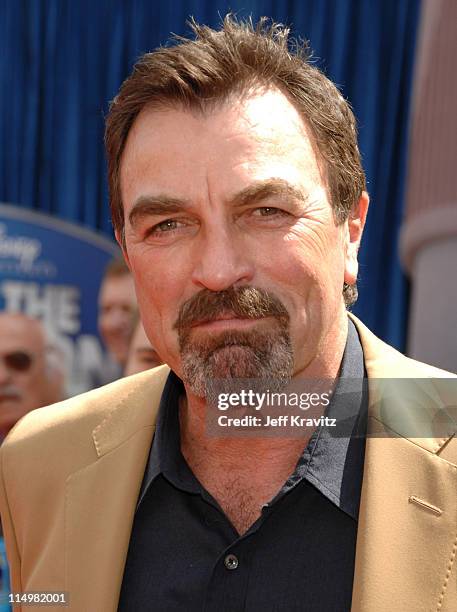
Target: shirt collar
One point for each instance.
(336, 456)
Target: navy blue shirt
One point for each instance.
(184, 553)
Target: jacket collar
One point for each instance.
(409, 398)
(134, 407)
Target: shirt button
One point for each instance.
(231, 562)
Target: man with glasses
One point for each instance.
(29, 378)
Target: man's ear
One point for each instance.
(354, 227)
(120, 238)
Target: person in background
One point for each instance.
(117, 310)
(31, 374)
(142, 355)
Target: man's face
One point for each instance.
(23, 376)
(116, 312)
(233, 201)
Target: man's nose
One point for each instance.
(222, 260)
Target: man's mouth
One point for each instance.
(226, 320)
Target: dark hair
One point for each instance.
(199, 74)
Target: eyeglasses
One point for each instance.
(19, 361)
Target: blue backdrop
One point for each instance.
(63, 61)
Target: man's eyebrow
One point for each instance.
(155, 205)
(162, 204)
(261, 190)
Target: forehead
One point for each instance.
(254, 138)
(17, 333)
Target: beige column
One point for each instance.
(428, 243)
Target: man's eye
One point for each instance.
(268, 211)
(164, 226)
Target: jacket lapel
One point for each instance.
(407, 526)
(408, 510)
(101, 498)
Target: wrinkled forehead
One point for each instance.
(263, 133)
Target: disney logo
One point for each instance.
(24, 249)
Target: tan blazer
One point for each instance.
(71, 473)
